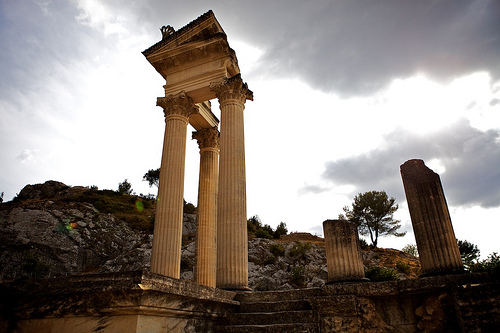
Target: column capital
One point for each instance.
(207, 138)
(177, 105)
(232, 89)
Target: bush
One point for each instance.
(189, 208)
(270, 260)
(403, 267)
(300, 249)
(298, 275)
(410, 249)
(125, 187)
(469, 253)
(261, 233)
(255, 226)
(490, 265)
(277, 250)
(378, 274)
(281, 230)
(363, 243)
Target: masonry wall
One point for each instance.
(145, 302)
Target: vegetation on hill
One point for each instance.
(83, 215)
(257, 229)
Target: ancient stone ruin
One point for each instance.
(343, 252)
(436, 242)
(198, 65)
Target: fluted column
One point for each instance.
(206, 230)
(436, 242)
(343, 251)
(232, 238)
(167, 236)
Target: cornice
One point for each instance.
(176, 34)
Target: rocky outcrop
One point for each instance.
(50, 230)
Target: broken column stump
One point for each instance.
(343, 252)
(436, 242)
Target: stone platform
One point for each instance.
(146, 302)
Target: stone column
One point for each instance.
(167, 236)
(436, 242)
(232, 238)
(343, 252)
(206, 230)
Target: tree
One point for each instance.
(373, 212)
(255, 226)
(152, 177)
(469, 253)
(410, 249)
(281, 230)
(125, 187)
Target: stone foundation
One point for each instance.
(147, 302)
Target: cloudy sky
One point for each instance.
(345, 92)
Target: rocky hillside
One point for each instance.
(52, 229)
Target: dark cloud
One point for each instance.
(348, 47)
(470, 157)
(358, 47)
(42, 46)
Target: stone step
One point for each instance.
(293, 305)
(272, 318)
(276, 296)
(276, 328)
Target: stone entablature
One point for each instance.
(194, 57)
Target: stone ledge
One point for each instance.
(409, 286)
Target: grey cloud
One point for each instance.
(494, 101)
(313, 189)
(354, 48)
(27, 155)
(349, 47)
(471, 159)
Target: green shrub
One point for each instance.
(270, 260)
(378, 274)
(490, 265)
(262, 233)
(277, 249)
(298, 275)
(403, 267)
(281, 230)
(300, 249)
(410, 249)
(363, 243)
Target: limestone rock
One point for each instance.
(50, 233)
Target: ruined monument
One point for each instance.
(436, 242)
(343, 251)
(198, 65)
